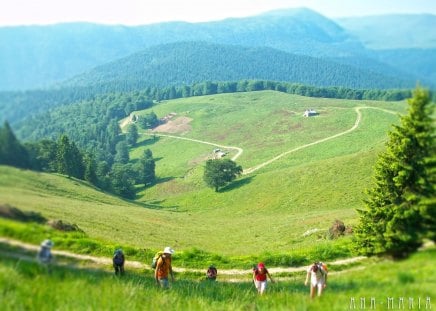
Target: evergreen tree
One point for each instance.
(132, 134)
(399, 212)
(69, 159)
(11, 151)
(123, 181)
(148, 168)
(220, 172)
(90, 169)
(122, 152)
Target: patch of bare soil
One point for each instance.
(178, 125)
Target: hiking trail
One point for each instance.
(107, 261)
(239, 150)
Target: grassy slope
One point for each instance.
(268, 210)
(26, 286)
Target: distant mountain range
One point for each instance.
(187, 63)
(40, 56)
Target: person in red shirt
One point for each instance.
(260, 274)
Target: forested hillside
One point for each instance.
(38, 56)
(193, 62)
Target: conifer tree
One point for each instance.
(399, 211)
(11, 151)
(132, 134)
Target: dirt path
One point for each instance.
(250, 170)
(354, 127)
(139, 265)
(237, 155)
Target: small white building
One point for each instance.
(218, 153)
(310, 113)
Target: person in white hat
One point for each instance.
(164, 268)
(44, 255)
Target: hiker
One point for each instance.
(118, 262)
(317, 273)
(211, 273)
(260, 274)
(164, 268)
(44, 255)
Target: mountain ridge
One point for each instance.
(185, 63)
(38, 56)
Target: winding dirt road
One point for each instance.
(239, 150)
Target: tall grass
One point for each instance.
(25, 286)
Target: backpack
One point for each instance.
(44, 254)
(155, 259)
(118, 258)
(322, 268)
(212, 273)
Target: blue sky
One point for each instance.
(137, 12)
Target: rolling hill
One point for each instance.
(303, 190)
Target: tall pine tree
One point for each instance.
(11, 151)
(399, 211)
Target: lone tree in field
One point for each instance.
(220, 172)
(400, 210)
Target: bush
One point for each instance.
(10, 212)
(63, 226)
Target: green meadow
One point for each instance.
(305, 174)
(401, 285)
(282, 209)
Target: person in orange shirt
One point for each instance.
(164, 268)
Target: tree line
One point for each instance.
(16, 107)
(63, 156)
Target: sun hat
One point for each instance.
(47, 243)
(168, 250)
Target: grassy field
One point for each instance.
(264, 214)
(72, 286)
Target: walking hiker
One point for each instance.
(118, 262)
(164, 268)
(317, 273)
(211, 273)
(260, 273)
(44, 255)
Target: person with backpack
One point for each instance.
(317, 273)
(260, 274)
(44, 255)
(118, 262)
(164, 268)
(211, 273)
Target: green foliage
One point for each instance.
(69, 160)
(148, 120)
(146, 168)
(220, 172)
(398, 214)
(170, 65)
(122, 152)
(11, 151)
(123, 180)
(132, 134)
